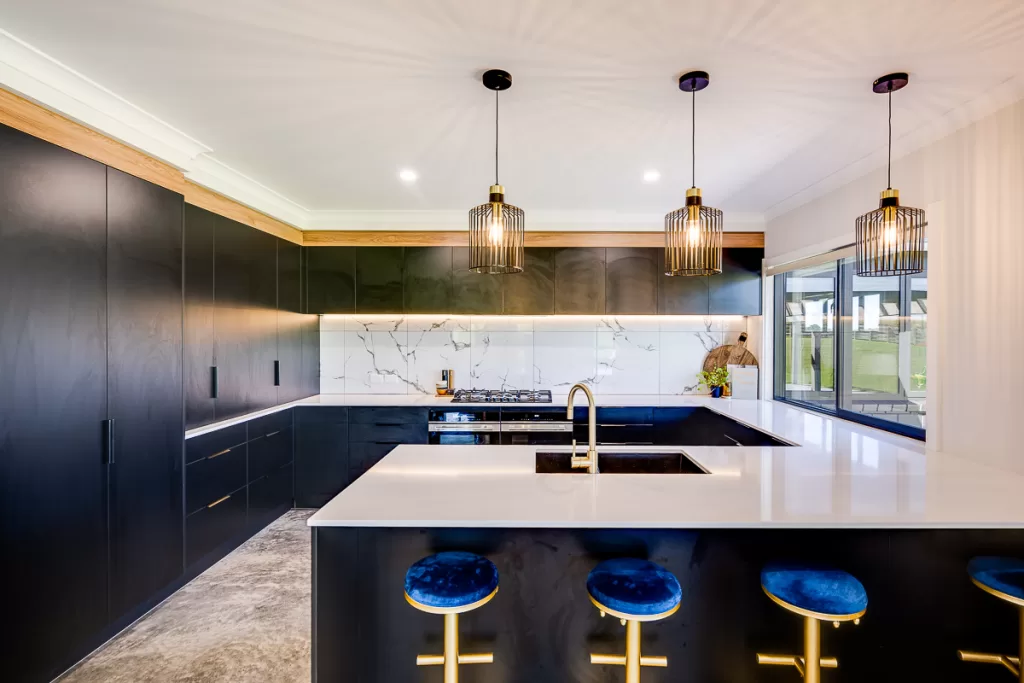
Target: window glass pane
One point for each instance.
(810, 321)
(884, 347)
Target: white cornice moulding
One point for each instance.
(213, 175)
(1008, 92)
(555, 221)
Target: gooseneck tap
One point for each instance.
(590, 461)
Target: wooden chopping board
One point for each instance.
(729, 354)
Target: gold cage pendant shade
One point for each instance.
(496, 235)
(693, 238)
(890, 239)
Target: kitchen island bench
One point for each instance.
(902, 520)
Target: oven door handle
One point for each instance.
(463, 426)
(550, 427)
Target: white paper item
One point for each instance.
(743, 379)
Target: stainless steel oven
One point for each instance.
(463, 427)
(535, 426)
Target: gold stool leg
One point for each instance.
(1015, 665)
(812, 650)
(632, 651)
(451, 648)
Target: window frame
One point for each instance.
(844, 301)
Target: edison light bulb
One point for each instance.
(692, 227)
(495, 227)
(890, 227)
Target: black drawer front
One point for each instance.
(214, 525)
(270, 494)
(393, 433)
(386, 415)
(617, 416)
(269, 453)
(268, 424)
(617, 434)
(213, 477)
(206, 445)
(363, 456)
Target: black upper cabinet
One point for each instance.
(144, 375)
(428, 279)
(632, 281)
(330, 279)
(737, 291)
(474, 293)
(200, 226)
(232, 326)
(580, 280)
(262, 263)
(681, 294)
(531, 292)
(379, 279)
(290, 320)
(53, 360)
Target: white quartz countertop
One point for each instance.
(840, 475)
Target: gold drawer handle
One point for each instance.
(217, 502)
(273, 433)
(226, 450)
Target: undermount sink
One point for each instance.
(621, 462)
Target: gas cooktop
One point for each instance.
(501, 396)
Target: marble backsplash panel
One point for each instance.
(395, 354)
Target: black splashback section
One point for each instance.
(541, 626)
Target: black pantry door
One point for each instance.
(200, 312)
(232, 319)
(53, 575)
(144, 385)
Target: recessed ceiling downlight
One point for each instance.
(407, 175)
(652, 176)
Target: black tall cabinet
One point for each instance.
(53, 361)
(91, 415)
(144, 387)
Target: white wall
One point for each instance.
(971, 183)
(637, 354)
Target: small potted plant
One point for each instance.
(714, 380)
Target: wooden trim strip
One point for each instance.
(37, 121)
(459, 238)
(221, 205)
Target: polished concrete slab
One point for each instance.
(246, 619)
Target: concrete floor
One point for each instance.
(244, 620)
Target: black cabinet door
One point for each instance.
(53, 363)
(531, 292)
(262, 263)
(473, 293)
(290, 320)
(580, 280)
(632, 281)
(321, 455)
(737, 291)
(144, 385)
(232, 318)
(379, 279)
(330, 279)
(428, 279)
(200, 227)
(681, 294)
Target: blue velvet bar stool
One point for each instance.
(1003, 577)
(817, 594)
(450, 584)
(635, 591)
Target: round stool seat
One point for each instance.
(634, 589)
(451, 582)
(1003, 577)
(822, 593)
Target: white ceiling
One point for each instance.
(324, 101)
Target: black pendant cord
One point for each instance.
(693, 140)
(888, 170)
(496, 100)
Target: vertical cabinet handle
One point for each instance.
(277, 373)
(108, 442)
(213, 381)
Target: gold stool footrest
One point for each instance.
(1011, 663)
(620, 660)
(798, 662)
(438, 660)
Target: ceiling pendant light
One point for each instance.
(693, 234)
(496, 229)
(890, 239)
